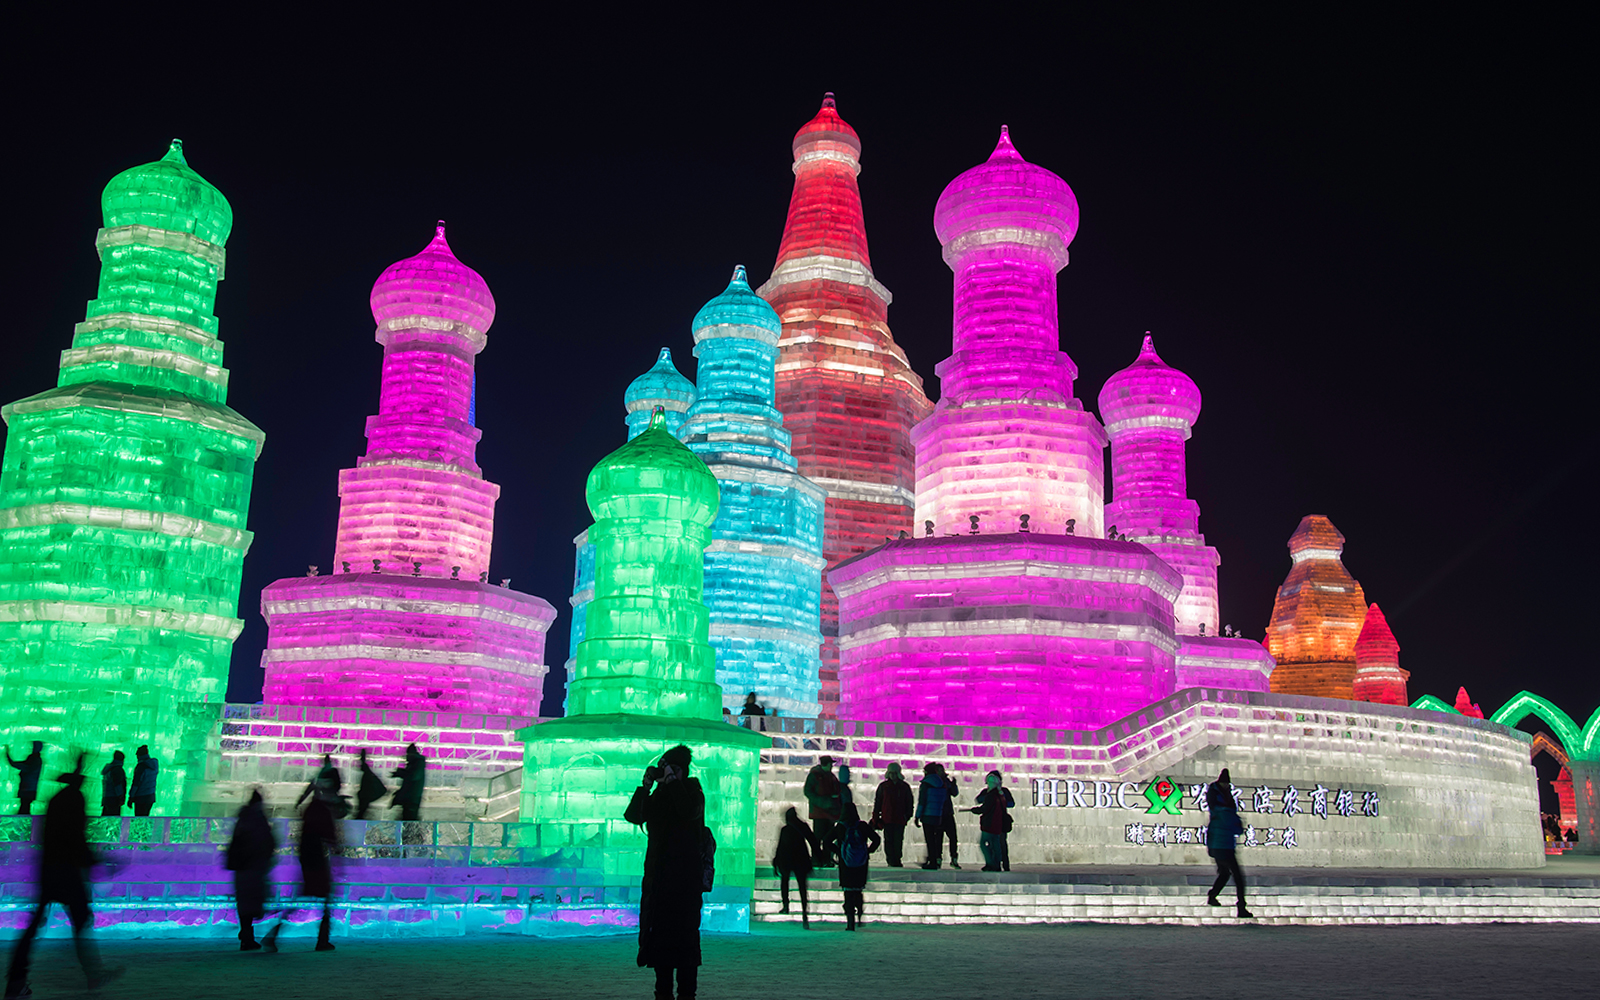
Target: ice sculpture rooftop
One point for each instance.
(433, 291)
(1149, 392)
(167, 194)
(1003, 194)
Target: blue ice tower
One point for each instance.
(763, 582)
(661, 386)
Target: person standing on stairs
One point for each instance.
(935, 814)
(891, 811)
(823, 795)
(796, 844)
(854, 842)
(1222, 842)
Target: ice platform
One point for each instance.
(1566, 890)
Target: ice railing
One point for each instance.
(279, 742)
(1138, 745)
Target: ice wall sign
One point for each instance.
(1166, 796)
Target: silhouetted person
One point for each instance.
(994, 822)
(936, 814)
(113, 785)
(413, 775)
(251, 854)
(29, 768)
(751, 707)
(674, 818)
(1221, 842)
(822, 793)
(369, 789)
(796, 844)
(892, 807)
(64, 862)
(854, 842)
(319, 838)
(328, 783)
(142, 790)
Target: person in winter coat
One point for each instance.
(413, 777)
(1221, 842)
(935, 814)
(142, 792)
(250, 857)
(796, 845)
(370, 788)
(854, 842)
(674, 818)
(751, 706)
(328, 783)
(319, 840)
(64, 860)
(29, 768)
(994, 822)
(113, 785)
(891, 811)
(823, 794)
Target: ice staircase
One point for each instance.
(1177, 896)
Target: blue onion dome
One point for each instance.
(167, 194)
(739, 305)
(662, 385)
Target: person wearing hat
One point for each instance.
(824, 794)
(671, 806)
(64, 858)
(1221, 840)
(891, 811)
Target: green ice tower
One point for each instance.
(122, 501)
(645, 680)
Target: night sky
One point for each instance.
(1368, 243)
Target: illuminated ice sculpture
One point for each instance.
(1003, 617)
(123, 497)
(1149, 408)
(763, 569)
(1378, 675)
(847, 393)
(1317, 616)
(409, 619)
(662, 386)
(645, 680)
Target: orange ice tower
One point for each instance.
(1317, 616)
(847, 393)
(1378, 674)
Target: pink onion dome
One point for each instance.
(433, 291)
(1005, 194)
(1149, 392)
(827, 126)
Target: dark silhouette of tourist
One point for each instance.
(28, 770)
(935, 814)
(113, 785)
(142, 790)
(674, 818)
(751, 707)
(1221, 840)
(796, 845)
(251, 855)
(994, 822)
(854, 842)
(319, 840)
(892, 807)
(328, 783)
(64, 863)
(413, 775)
(822, 793)
(369, 788)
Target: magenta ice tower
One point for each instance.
(1010, 609)
(409, 618)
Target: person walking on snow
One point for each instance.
(796, 844)
(250, 856)
(319, 840)
(935, 814)
(822, 791)
(891, 811)
(1221, 842)
(994, 822)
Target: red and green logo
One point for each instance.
(1164, 797)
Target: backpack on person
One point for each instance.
(853, 851)
(708, 858)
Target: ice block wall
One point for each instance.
(123, 498)
(763, 568)
(409, 618)
(846, 391)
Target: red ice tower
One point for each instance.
(847, 393)
(1378, 674)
